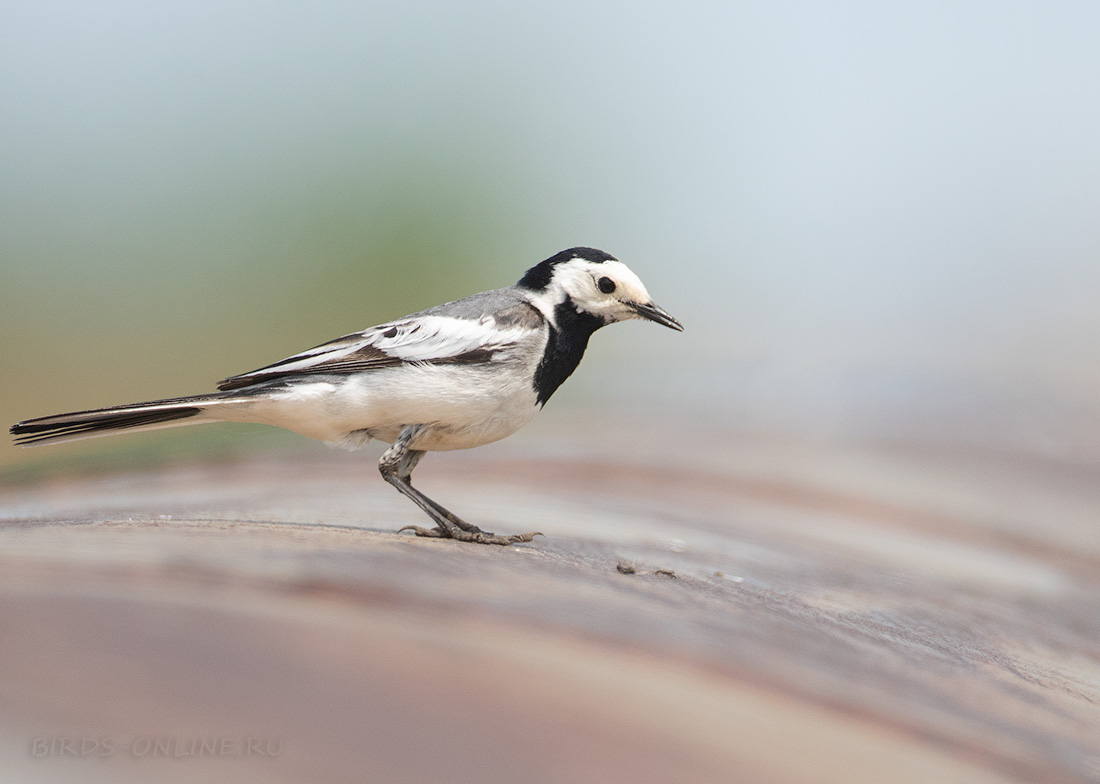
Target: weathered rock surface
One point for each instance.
(784, 612)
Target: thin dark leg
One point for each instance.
(404, 471)
(396, 467)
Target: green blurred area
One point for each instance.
(223, 285)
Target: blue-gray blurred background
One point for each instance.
(875, 219)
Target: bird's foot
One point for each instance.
(470, 527)
(436, 533)
(484, 537)
(476, 536)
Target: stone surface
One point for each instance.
(796, 612)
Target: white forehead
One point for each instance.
(576, 276)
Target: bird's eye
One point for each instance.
(606, 284)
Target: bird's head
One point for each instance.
(595, 283)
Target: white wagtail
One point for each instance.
(455, 376)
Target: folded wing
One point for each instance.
(427, 339)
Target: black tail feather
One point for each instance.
(87, 422)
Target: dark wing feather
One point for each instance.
(429, 338)
(366, 358)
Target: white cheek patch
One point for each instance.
(581, 282)
(629, 287)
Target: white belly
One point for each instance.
(462, 409)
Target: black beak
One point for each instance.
(654, 312)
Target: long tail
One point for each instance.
(154, 415)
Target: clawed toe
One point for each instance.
(525, 537)
(484, 537)
(435, 533)
(477, 535)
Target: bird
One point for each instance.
(456, 376)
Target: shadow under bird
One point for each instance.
(456, 376)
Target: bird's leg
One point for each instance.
(405, 466)
(396, 467)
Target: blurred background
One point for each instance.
(876, 220)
